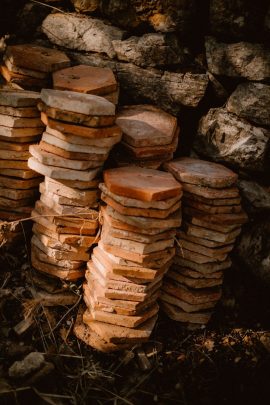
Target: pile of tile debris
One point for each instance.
(136, 248)
(30, 66)
(212, 219)
(88, 79)
(150, 136)
(20, 127)
(79, 135)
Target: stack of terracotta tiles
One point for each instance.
(212, 219)
(136, 249)
(79, 135)
(89, 80)
(20, 127)
(150, 136)
(30, 66)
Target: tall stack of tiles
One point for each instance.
(212, 219)
(20, 127)
(150, 136)
(136, 249)
(30, 66)
(88, 79)
(79, 135)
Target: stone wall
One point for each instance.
(206, 62)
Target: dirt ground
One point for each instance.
(228, 362)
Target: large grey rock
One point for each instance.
(162, 15)
(251, 101)
(236, 19)
(151, 50)
(170, 91)
(256, 196)
(253, 249)
(241, 59)
(224, 137)
(82, 33)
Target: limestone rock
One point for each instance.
(81, 33)
(254, 247)
(85, 6)
(150, 50)
(163, 16)
(251, 101)
(256, 195)
(242, 59)
(236, 19)
(223, 137)
(167, 90)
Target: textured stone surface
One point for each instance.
(236, 19)
(163, 16)
(241, 59)
(223, 137)
(85, 6)
(256, 195)
(254, 248)
(167, 90)
(150, 50)
(81, 33)
(251, 101)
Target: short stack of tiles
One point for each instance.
(89, 80)
(79, 135)
(20, 127)
(30, 66)
(124, 276)
(212, 219)
(150, 136)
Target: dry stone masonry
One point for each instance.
(136, 248)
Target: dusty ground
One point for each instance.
(228, 362)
